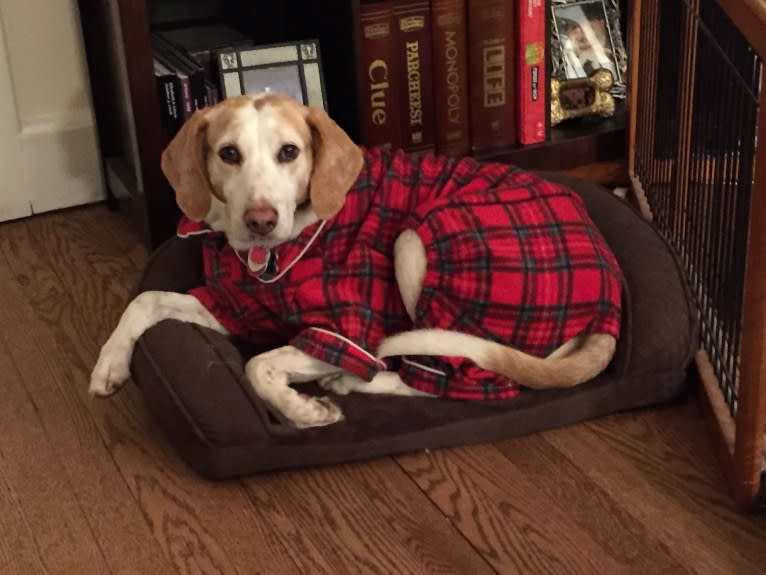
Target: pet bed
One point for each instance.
(194, 383)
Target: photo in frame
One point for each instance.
(292, 68)
(585, 37)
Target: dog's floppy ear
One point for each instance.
(185, 167)
(337, 163)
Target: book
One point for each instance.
(182, 89)
(181, 62)
(415, 86)
(532, 71)
(169, 94)
(377, 76)
(212, 93)
(203, 42)
(450, 77)
(491, 57)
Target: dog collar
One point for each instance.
(260, 262)
(256, 259)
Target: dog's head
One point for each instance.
(261, 167)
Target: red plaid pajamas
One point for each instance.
(511, 258)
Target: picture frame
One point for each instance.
(291, 68)
(582, 97)
(585, 37)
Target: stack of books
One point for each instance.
(185, 68)
(452, 76)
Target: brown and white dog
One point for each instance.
(261, 169)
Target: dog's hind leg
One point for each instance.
(271, 374)
(410, 268)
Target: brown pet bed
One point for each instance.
(194, 383)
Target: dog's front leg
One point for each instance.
(271, 375)
(384, 383)
(147, 309)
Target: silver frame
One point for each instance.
(619, 59)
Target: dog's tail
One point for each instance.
(568, 366)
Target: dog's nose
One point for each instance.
(261, 220)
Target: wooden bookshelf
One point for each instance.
(571, 145)
(119, 55)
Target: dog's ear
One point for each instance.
(185, 166)
(337, 163)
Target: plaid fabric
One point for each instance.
(511, 258)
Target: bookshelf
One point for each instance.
(571, 146)
(118, 49)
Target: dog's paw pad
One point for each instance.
(333, 413)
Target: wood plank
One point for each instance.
(633, 69)
(504, 515)
(571, 145)
(42, 488)
(750, 17)
(609, 174)
(640, 492)
(113, 232)
(173, 500)
(685, 104)
(629, 541)
(79, 297)
(156, 207)
(112, 514)
(656, 485)
(720, 423)
(366, 517)
(748, 461)
(675, 437)
(18, 552)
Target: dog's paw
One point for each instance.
(340, 383)
(318, 412)
(112, 370)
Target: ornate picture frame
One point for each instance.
(292, 68)
(582, 97)
(585, 37)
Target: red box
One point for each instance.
(532, 80)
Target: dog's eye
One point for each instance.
(230, 155)
(287, 153)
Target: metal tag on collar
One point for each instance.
(258, 259)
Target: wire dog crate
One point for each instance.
(697, 159)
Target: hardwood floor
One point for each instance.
(90, 486)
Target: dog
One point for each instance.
(374, 271)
